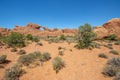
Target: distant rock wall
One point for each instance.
(35, 30)
(110, 27)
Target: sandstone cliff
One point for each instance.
(110, 27)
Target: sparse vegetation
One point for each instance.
(117, 76)
(3, 59)
(102, 55)
(59, 48)
(58, 64)
(61, 53)
(109, 46)
(14, 50)
(109, 70)
(15, 40)
(117, 43)
(45, 57)
(26, 60)
(35, 39)
(114, 52)
(40, 44)
(21, 52)
(29, 37)
(112, 68)
(62, 37)
(94, 45)
(13, 73)
(112, 37)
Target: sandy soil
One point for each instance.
(80, 64)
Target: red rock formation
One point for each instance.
(4, 31)
(111, 27)
(35, 30)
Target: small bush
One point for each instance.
(15, 40)
(62, 37)
(45, 57)
(36, 39)
(58, 64)
(102, 55)
(111, 37)
(37, 54)
(112, 67)
(61, 53)
(26, 60)
(114, 61)
(117, 43)
(95, 45)
(117, 76)
(14, 50)
(29, 37)
(109, 70)
(114, 52)
(3, 59)
(40, 44)
(109, 46)
(59, 48)
(20, 52)
(13, 73)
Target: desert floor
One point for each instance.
(79, 64)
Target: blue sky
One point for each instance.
(57, 13)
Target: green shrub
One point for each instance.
(15, 40)
(20, 52)
(45, 57)
(58, 64)
(13, 73)
(102, 55)
(14, 50)
(36, 39)
(62, 37)
(111, 37)
(114, 52)
(3, 59)
(29, 37)
(61, 53)
(85, 36)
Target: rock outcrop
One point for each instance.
(4, 31)
(111, 27)
(38, 30)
